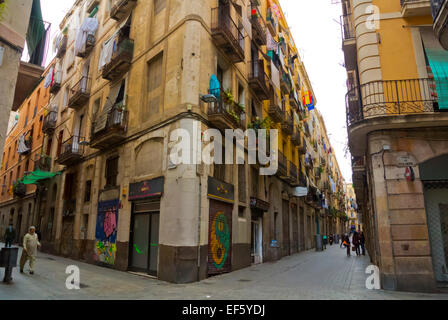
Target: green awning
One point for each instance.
(37, 176)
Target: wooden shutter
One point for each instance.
(154, 86)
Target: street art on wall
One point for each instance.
(220, 240)
(106, 232)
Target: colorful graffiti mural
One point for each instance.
(106, 232)
(220, 240)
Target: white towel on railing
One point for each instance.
(89, 26)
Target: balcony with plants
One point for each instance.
(225, 113)
(19, 189)
(258, 24)
(226, 33)
(42, 162)
(111, 127)
(120, 62)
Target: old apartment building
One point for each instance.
(397, 126)
(130, 72)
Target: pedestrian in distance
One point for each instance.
(10, 235)
(331, 239)
(39, 236)
(346, 242)
(363, 243)
(325, 241)
(342, 240)
(357, 243)
(29, 253)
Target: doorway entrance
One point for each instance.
(144, 244)
(256, 244)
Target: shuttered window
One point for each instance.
(155, 87)
(111, 172)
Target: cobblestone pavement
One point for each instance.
(308, 275)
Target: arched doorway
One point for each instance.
(434, 175)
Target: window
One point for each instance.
(159, 5)
(154, 87)
(60, 137)
(87, 192)
(111, 172)
(241, 212)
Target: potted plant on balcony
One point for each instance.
(227, 97)
(235, 117)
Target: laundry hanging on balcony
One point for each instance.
(111, 45)
(49, 78)
(275, 76)
(215, 86)
(88, 27)
(438, 61)
(22, 147)
(101, 122)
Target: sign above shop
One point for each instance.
(146, 189)
(220, 190)
(259, 204)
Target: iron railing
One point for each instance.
(222, 23)
(50, 121)
(72, 147)
(226, 109)
(282, 164)
(436, 6)
(258, 79)
(348, 32)
(391, 97)
(258, 24)
(117, 120)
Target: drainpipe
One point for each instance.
(199, 230)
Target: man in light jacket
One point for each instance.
(30, 244)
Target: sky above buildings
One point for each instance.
(315, 27)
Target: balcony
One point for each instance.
(294, 100)
(303, 146)
(390, 104)
(42, 162)
(287, 123)
(271, 22)
(56, 85)
(274, 111)
(110, 129)
(90, 43)
(282, 165)
(440, 16)
(50, 121)
(120, 61)
(413, 8)
(349, 41)
(121, 8)
(226, 34)
(306, 129)
(79, 94)
(258, 26)
(19, 190)
(258, 80)
(224, 113)
(295, 138)
(285, 82)
(61, 46)
(293, 176)
(72, 151)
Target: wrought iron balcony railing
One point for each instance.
(113, 130)
(347, 29)
(42, 162)
(282, 165)
(121, 8)
(258, 80)
(120, 61)
(79, 93)
(391, 97)
(72, 150)
(50, 121)
(271, 22)
(227, 34)
(258, 25)
(224, 113)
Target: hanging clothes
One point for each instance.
(89, 26)
(275, 76)
(22, 147)
(49, 78)
(215, 86)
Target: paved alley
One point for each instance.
(309, 275)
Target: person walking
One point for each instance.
(30, 244)
(325, 241)
(10, 235)
(331, 239)
(342, 240)
(357, 243)
(346, 243)
(362, 242)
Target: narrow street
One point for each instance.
(310, 275)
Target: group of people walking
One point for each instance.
(31, 241)
(358, 241)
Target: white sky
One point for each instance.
(317, 34)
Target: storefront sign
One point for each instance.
(405, 161)
(146, 189)
(220, 191)
(259, 204)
